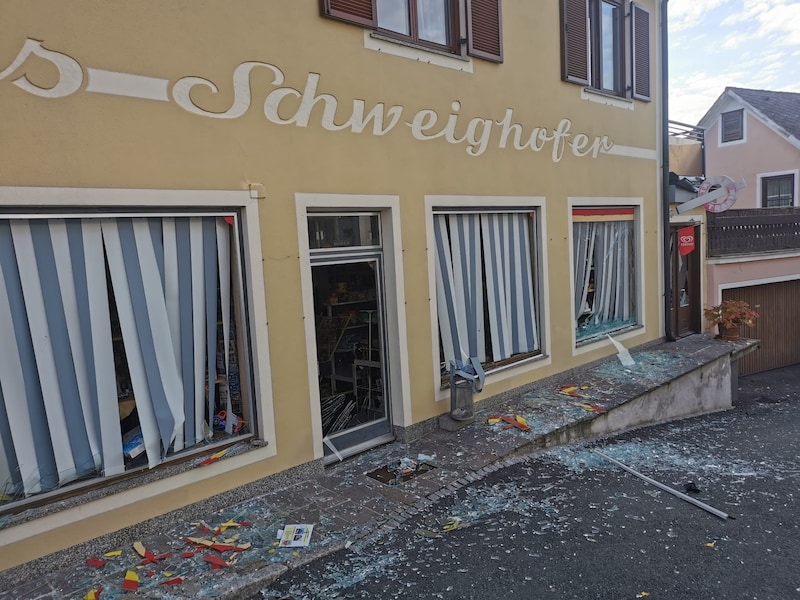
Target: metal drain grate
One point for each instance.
(396, 472)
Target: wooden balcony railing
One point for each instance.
(753, 231)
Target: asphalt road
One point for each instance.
(567, 524)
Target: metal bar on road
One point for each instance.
(666, 488)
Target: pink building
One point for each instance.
(754, 246)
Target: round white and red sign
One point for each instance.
(728, 197)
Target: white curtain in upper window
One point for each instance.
(433, 20)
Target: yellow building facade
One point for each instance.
(284, 226)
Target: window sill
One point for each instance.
(732, 142)
(599, 337)
(404, 49)
(81, 492)
(500, 366)
(594, 95)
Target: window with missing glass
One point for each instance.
(732, 126)
(486, 286)
(777, 191)
(604, 252)
(125, 343)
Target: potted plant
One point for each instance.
(729, 316)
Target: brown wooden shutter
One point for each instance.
(732, 124)
(485, 30)
(359, 12)
(640, 52)
(575, 41)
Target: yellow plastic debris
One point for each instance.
(521, 420)
(113, 553)
(228, 523)
(451, 524)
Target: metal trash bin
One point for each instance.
(465, 380)
(461, 402)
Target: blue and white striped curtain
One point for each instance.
(614, 272)
(509, 284)
(504, 269)
(459, 287)
(583, 234)
(606, 248)
(59, 418)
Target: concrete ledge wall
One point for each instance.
(704, 390)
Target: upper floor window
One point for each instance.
(435, 24)
(424, 21)
(777, 191)
(732, 126)
(593, 46)
(606, 20)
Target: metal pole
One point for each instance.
(666, 488)
(669, 334)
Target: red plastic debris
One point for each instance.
(174, 581)
(95, 562)
(511, 422)
(215, 562)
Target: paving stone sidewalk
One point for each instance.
(345, 504)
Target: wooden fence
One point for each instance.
(753, 231)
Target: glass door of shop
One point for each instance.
(350, 331)
(685, 310)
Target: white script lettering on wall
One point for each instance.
(70, 74)
(289, 106)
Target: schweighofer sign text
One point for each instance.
(286, 105)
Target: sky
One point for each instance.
(714, 44)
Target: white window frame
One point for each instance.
(491, 204)
(386, 44)
(584, 346)
(744, 127)
(62, 200)
(760, 185)
(399, 381)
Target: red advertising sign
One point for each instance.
(686, 240)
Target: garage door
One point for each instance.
(778, 327)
